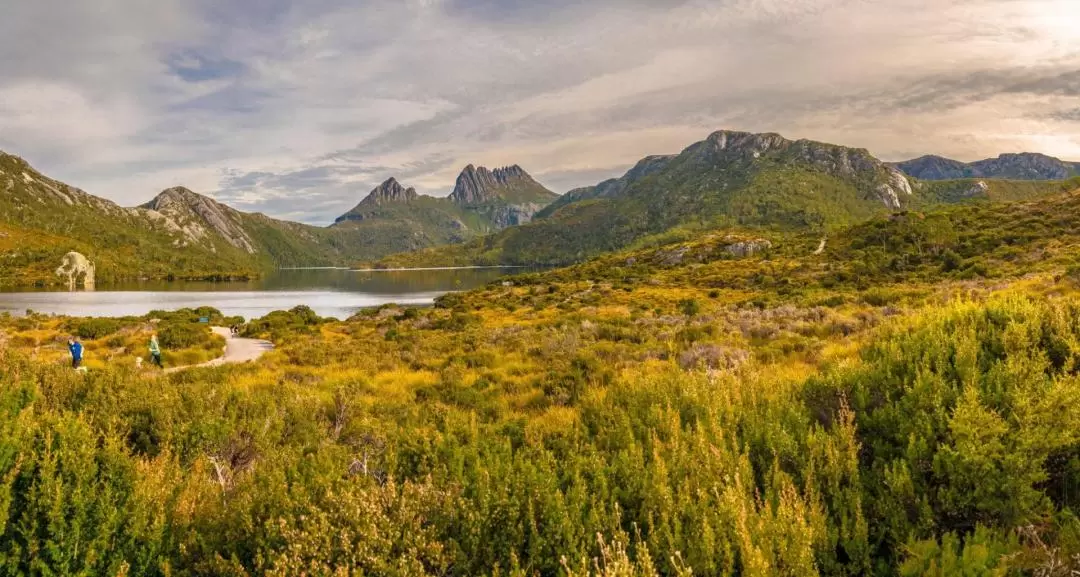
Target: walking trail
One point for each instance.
(237, 350)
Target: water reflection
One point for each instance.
(331, 292)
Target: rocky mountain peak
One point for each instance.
(196, 216)
(478, 185)
(746, 142)
(390, 191)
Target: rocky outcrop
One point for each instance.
(747, 248)
(978, 190)
(197, 217)
(1021, 166)
(75, 265)
(504, 215)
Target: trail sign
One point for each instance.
(204, 319)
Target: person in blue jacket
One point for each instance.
(76, 349)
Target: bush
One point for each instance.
(94, 329)
(689, 307)
(182, 335)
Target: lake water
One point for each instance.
(330, 292)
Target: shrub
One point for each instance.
(97, 328)
(182, 335)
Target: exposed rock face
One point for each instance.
(748, 248)
(506, 215)
(74, 265)
(507, 196)
(192, 213)
(978, 190)
(387, 194)
(891, 192)
(1022, 166)
(479, 185)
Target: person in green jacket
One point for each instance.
(155, 351)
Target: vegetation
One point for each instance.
(792, 187)
(902, 402)
(113, 342)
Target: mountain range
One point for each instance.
(1022, 166)
(730, 179)
(503, 216)
(183, 234)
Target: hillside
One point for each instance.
(1023, 166)
(182, 234)
(730, 179)
(43, 219)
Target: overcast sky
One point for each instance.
(298, 108)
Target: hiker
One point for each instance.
(76, 349)
(155, 351)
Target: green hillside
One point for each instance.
(181, 234)
(730, 179)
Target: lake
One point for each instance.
(330, 292)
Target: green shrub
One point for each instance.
(97, 328)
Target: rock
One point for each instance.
(191, 213)
(979, 189)
(506, 196)
(390, 191)
(747, 248)
(74, 265)
(672, 257)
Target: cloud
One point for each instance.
(298, 109)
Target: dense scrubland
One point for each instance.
(904, 402)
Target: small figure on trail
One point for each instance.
(235, 329)
(76, 349)
(155, 351)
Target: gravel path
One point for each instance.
(237, 350)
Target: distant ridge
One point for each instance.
(1020, 166)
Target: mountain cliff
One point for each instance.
(1023, 166)
(505, 196)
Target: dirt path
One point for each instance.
(237, 350)
(821, 247)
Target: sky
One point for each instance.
(298, 108)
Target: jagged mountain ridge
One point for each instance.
(1018, 166)
(482, 201)
(731, 178)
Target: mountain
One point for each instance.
(205, 223)
(730, 179)
(183, 234)
(506, 196)
(1023, 166)
(392, 218)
